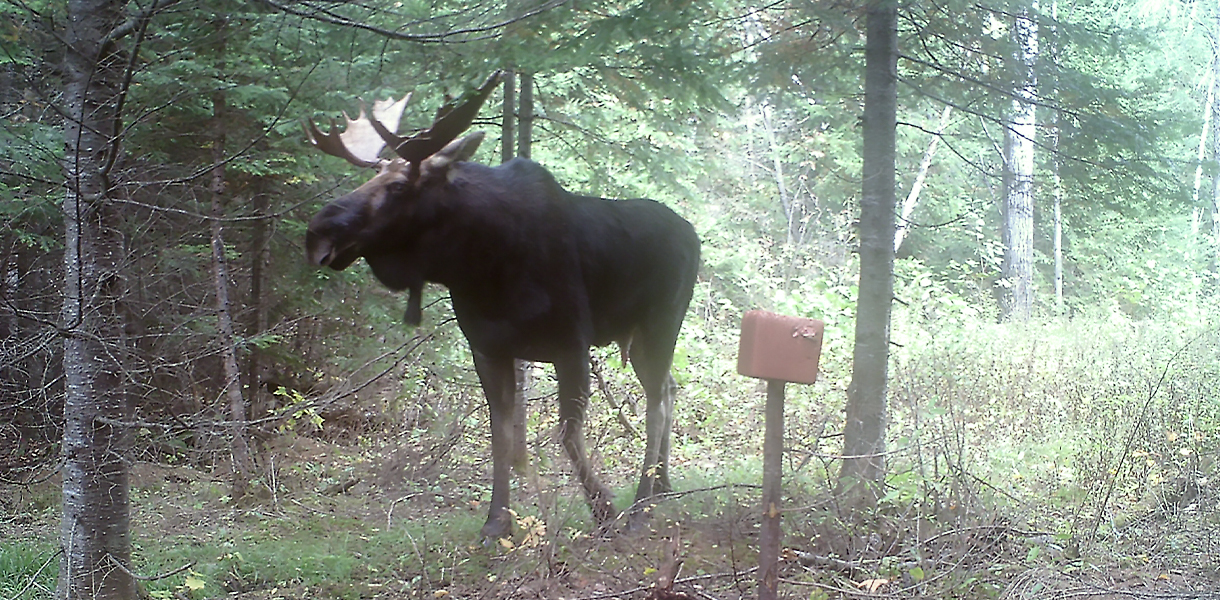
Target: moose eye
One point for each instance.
(395, 188)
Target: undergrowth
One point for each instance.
(1020, 460)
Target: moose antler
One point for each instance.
(359, 143)
(451, 120)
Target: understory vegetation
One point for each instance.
(1026, 462)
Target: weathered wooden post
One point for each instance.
(779, 349)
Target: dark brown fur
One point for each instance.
(534, 273)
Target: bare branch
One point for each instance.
(332, 18)
(116, 562)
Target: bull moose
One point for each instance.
(534, 273)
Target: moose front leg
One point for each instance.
(574, 392)
(498, 377)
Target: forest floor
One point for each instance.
(353, 521)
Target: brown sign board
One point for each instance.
(779, 347)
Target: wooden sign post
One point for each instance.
(779, 349)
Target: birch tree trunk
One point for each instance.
(912, 199)
(94, 536)
(508, 118)
(864, 431)
(1209, 106)
(1057, 198)
(1018, 226)
(777, 162)
(1209, 133)
(12, 379)
(1215, 136)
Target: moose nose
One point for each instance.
(318, 250)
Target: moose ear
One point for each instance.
(464, 147)
(458, 150)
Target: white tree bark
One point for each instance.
(1209, 106)
(1057, 191)
(524, 384)
(777, 163)
(912, 199)
(1215, 136)
(1056, 180)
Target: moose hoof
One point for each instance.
(499, 525)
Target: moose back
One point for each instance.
(534, 272)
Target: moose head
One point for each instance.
(343, 231)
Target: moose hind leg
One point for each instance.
(573, 399)
(498, 377)
(652, 368)
(669, 391)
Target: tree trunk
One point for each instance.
(1056, 179)
(12, 379)
(94, 536)
(256, 324)
(1215, 136)
(1209, 107)
(1018, 226)
(785, 201)
(508, 116)
(520, 458)
(864, 432)
(1057, 198)
(1208, 134)
(908, 205)
(224, 315)
(526, 115)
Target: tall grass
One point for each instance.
(27, 570)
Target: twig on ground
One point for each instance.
(165, 575)
(389, 513)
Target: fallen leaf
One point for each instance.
(872, 585)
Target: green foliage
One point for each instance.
(298, 410)
(27, 570)
(702, 105)
(1058, 415)
(340, 557)
(29, 156)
